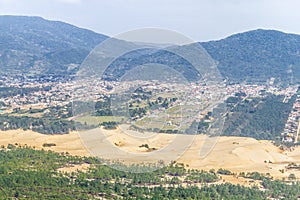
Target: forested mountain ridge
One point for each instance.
(253, 56)
(36, 45)
(257, 55)
(33, 44)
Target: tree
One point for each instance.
(292, 177)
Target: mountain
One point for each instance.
(36, 45)
(155, 59)
(257, 55)
(253, 56)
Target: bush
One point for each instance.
(224, 171)
(49, 144)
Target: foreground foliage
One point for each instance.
(33, 174)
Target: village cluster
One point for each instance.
(49, 91)
(292, 126)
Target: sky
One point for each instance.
(200, 20)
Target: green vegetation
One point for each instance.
(109, 125)
(259, 118)
(144, 145)
(54, 45)
(35, 174)
(103, 107)
(49, 145)
(281, 190)
(201, 177)
(224, 171)
(144, 56)
(253, 175)
(52, 120)
(257, 55)
(42, 125)
(96, 120)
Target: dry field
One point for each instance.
(64, 143)
(237, 154)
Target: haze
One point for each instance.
(200, 20)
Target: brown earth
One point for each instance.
(237, 154)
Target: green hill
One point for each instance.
(36, 45)
(257, 55)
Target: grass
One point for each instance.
(95, 120)
(154, 123)
(27, 114)
(175, 115)
(148, 123)
(174, 109)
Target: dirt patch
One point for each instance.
(74, 168)
(237, 154)
(70, 143)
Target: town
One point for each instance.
(41, 92)
(292, 126)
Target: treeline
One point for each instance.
(103, 108)
(34, 174)
(156, 130)
(62, 112)
(41, 125)
(52, 120)
(259, 118)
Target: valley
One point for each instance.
(78, 123)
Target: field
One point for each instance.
(95, 120)
(169, 119)
(70, 143)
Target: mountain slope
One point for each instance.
(36, 45)
(253, 56)
(33, 44)
(257, 55)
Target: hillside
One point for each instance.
(257, 55)
(36, 45)
(33, 44)
(253, 56)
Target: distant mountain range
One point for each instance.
(257, 55)
(36, 45)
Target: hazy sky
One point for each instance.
(198, 19)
